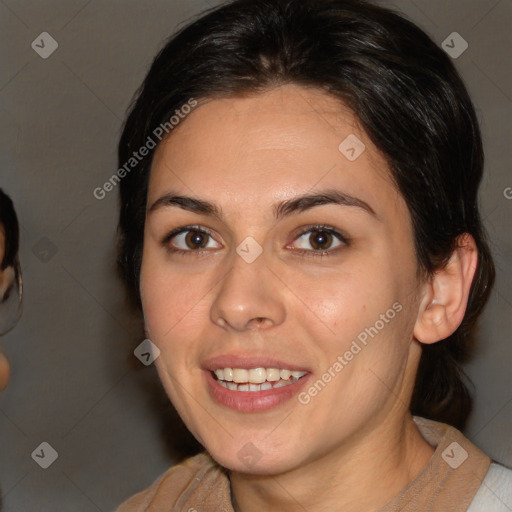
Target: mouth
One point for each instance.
(253, 387)
(252, 380)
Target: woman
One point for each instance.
(10, 278)
(299, 225)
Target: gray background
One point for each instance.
(75, 381)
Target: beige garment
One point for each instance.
(448, 483)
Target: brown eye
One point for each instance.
(320, 240)
(196, 239)
(190, 239)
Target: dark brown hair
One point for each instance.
(9, 223)
(405, 92)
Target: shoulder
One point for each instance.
(189, 478)
(495, 493)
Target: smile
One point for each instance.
(256, 379)
(253, 389)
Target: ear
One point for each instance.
(445, 295)
(5, 371)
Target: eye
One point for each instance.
(320, 239)
(190, 239)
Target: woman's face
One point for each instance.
(5, 368)
(245, 287)
(3, 274)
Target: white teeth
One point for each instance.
(273, 374)
(285, 374)
(257, 375)
(256, 379)
(240, 375)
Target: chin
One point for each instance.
(253, 458)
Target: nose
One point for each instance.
(249, 296)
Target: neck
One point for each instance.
(357, 478)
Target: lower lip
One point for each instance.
(252, 401)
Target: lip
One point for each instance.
(248, 362)
(252, 401)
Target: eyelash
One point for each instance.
(303, 252)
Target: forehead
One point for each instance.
(270, 146)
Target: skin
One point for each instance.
(355, 436)
(5, 367)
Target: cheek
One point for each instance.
(363, 316)
(340, 305)
(169, 299)
(171, 304)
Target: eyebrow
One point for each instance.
(282, 209)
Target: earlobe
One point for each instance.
(446, 294)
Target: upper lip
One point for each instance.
(248, 362)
